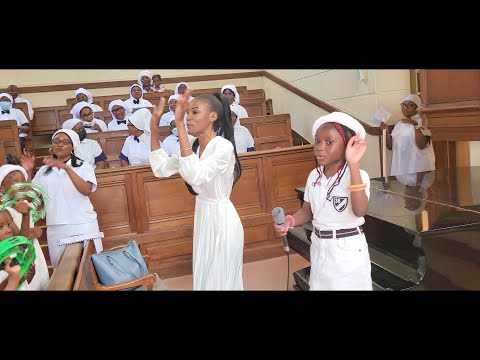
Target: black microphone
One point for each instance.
(279, 218)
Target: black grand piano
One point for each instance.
(423, 231)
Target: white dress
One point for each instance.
(218, 231)
(407, 158)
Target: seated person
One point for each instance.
(120, 114)
(82, 94)
(84, 111)
(230, 91)
(13, 91)
(90, 150)
(157, 83)
(167, 118)
(243, 139)
(180, 88)
(136, 99)
(9, 113)
(145, 81)
(136, 149)
(20, 218)
(171, 144)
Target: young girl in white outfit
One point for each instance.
(210, 168)
(336, 199)
(10, 175)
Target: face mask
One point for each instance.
(82, 134)
(5, 105)
(175, 132)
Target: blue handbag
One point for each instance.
(116, 266)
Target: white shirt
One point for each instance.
(90, 124)
(67, 205)
(16, 115)
(143, 103)
(29, 105)
(243, 138)
(114, 126)
(335, 213)
(167, 118)
(90, 150)
(407, 158)
(172, 146)
(137, 153)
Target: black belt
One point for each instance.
(328, 234)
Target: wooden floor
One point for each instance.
(270, 274)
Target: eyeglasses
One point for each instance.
(63, 142)
(86, 115)
(410, 106)
(117, 109)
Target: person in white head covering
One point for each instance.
(180, 88)
(85, 112)
(145, 81)
(336, 199)
(171, 144)
(82, 94)
(10, 175)
(7, 112)
(120, 114)
(13, 91)
(243, 139)
(67, 181)
(409, 141)
(136, 99)
(91, 151)
(167, 118)
(210, 168)
(230, 91)
(136, 148)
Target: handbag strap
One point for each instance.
(111, 259)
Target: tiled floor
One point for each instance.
(268, 274)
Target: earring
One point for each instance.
(51, 151)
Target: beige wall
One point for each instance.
(58, 98)
(357, 92)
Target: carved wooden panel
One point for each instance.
(9, 136)
(248, 194)
(44, 120)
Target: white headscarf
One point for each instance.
(234, 89)
(131, 96)
(235, 108)
(85, 92)
(128, 111)
(141, 119)
(144, 73)
(7, 95)
(178, 85)
(7, 169)
(78, 107)
(70, 124)
(414, 98)
(341, 118)
(74, 137)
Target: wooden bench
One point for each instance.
(3, 154)
(9, 137)
(270, 131)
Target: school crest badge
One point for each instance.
(340, 203)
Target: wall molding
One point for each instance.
(128, 83)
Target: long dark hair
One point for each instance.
(347, 135)
(222, 127)
(76, 162)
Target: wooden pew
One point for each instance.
(3, 154)
(270, 131)
(9, 136)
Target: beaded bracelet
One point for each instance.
(291, 219)
(186, 149)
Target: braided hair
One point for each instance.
(346, 133)
(223, 127)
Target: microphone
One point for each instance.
(279, 218)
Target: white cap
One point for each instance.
(341, 118)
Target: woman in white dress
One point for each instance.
(409, 141)
(210, 168)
